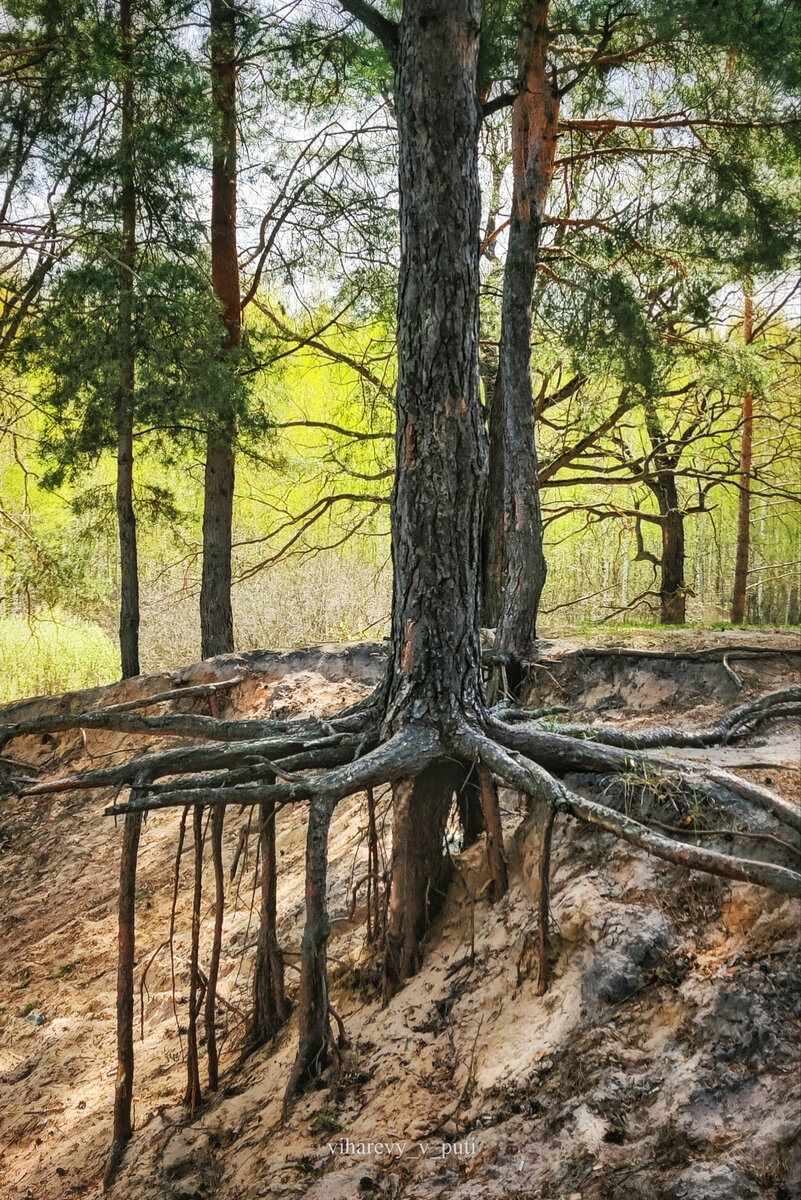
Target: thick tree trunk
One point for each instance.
(216, 617)
(269, 1001)
(123, 1090)
(534, 134)
(435, 669)
(435, 660)
(126, 518)
(744, 507)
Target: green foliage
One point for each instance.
(52, 654)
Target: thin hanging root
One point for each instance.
(123, 1091)
(544, 906)
(373, 900)
(496, 858)
(192, 1095)
(342, 1038)
(313, 1007)
(142, 983)
(175, 883)
(210, 1016)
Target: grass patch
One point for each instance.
(53, 654)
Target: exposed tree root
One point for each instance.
(496, 856)
(323, 762)
(193, 1094)
(123, 1090)
(781, 703)
(210, 1015)
(270, 1007)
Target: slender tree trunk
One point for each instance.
(744, 507)
(216, 617)
(535, 118)
(126, 518)
(435, 660)
(123, 1090)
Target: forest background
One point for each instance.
(665, 326)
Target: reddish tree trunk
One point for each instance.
(193, 1094)
(535, 118)
(216, 617)
(744, 507)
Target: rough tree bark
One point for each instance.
(441, 453)
(744, 506)
(535, 116)
(216, 617)
(126, 517)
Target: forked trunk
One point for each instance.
(535, 117)
(744, 505)
(216, 616)
(126, 518)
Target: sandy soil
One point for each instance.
(662, 1063)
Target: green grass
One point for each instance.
(53, 654)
